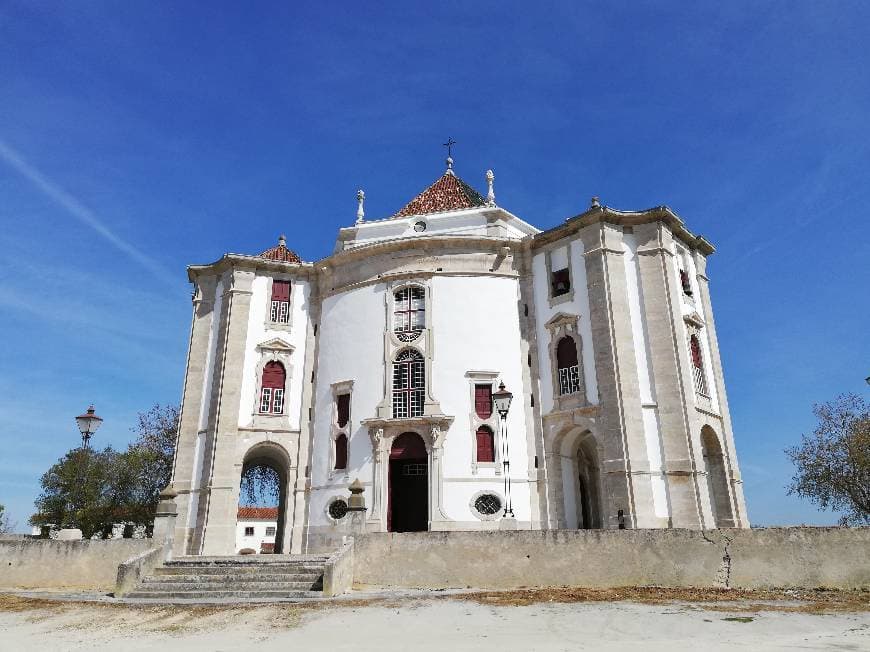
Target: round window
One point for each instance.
(487, 504)
(419, 226)
(338, 509)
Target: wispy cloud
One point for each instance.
(79, 211)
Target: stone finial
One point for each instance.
(595, 203)
(169, 491)
(490, 194)
(449, 162)
(360, 212)
(357, 501)
(282, 241)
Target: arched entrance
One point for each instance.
(717, 480)
(408, 488)
(588, 499)
(263, 483)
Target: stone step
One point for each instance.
(238, 570)
(222, 594)
(233, 577)
(267, 587)
(248, 560)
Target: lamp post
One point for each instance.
(501, 401)
(88, 424)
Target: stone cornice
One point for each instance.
(605, 214)
(247, 263)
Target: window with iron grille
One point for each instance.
(485, 444)
(249, 531)
(272, 388)
(270, 530)
(483, 401)
(280, 309)
(567, 363)
(698, 374)
(560, 282)
(409, 313)
(487, 504)
(337, 509)
(409, 385)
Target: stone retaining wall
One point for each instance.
(739, 558)
(47, 563)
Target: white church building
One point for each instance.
(378, 363)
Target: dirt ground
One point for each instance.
(539, 619)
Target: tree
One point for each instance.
(82, 489)
(95, 489)
(260, 486)
(833, 463)
(147, 463)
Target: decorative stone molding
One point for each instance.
(433, 430)
(564, 325)
(273, 350)
(475, 421)
(694, 319)
(338, 389)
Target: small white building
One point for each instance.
(379, 362)
(255, 529)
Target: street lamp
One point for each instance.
(501, 401)
(88, 424)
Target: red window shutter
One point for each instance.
(566, 353)
(343, 408)
(485, 445)
(280, 290)
(274, 375)
(483, 401)
(341, 452)
(696, 352)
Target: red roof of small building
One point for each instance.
(449, 193)
(259, 513)
(281, 253)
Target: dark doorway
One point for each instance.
(408, 505)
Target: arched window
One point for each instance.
(485, 444)
(409, 384)
(272, 392)
(409, 313)
(698, 366)
(569, 369)
(341, 452)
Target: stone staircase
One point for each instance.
(247, 577)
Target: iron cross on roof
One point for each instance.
(449, 145)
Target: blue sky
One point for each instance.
(137, 138)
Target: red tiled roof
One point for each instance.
(259, 513)
(449, 193)
(281, 253)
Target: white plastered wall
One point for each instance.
(351, 347)
(258, 332)
(476, 328)
(577, 305)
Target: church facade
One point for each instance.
(379, 362)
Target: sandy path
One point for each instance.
(444, 624)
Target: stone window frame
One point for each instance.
(548, 260)
(695, 325)
(483, 377)
(273, 350)
(565, 325)
(393, 346)
(681, 264)
(337, 389)
(329, 518)
(274, 325)
(481, 515)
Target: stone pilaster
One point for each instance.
(735, 481)
(671, 372)
(620, 422)
(221, 466)
(191, 405)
